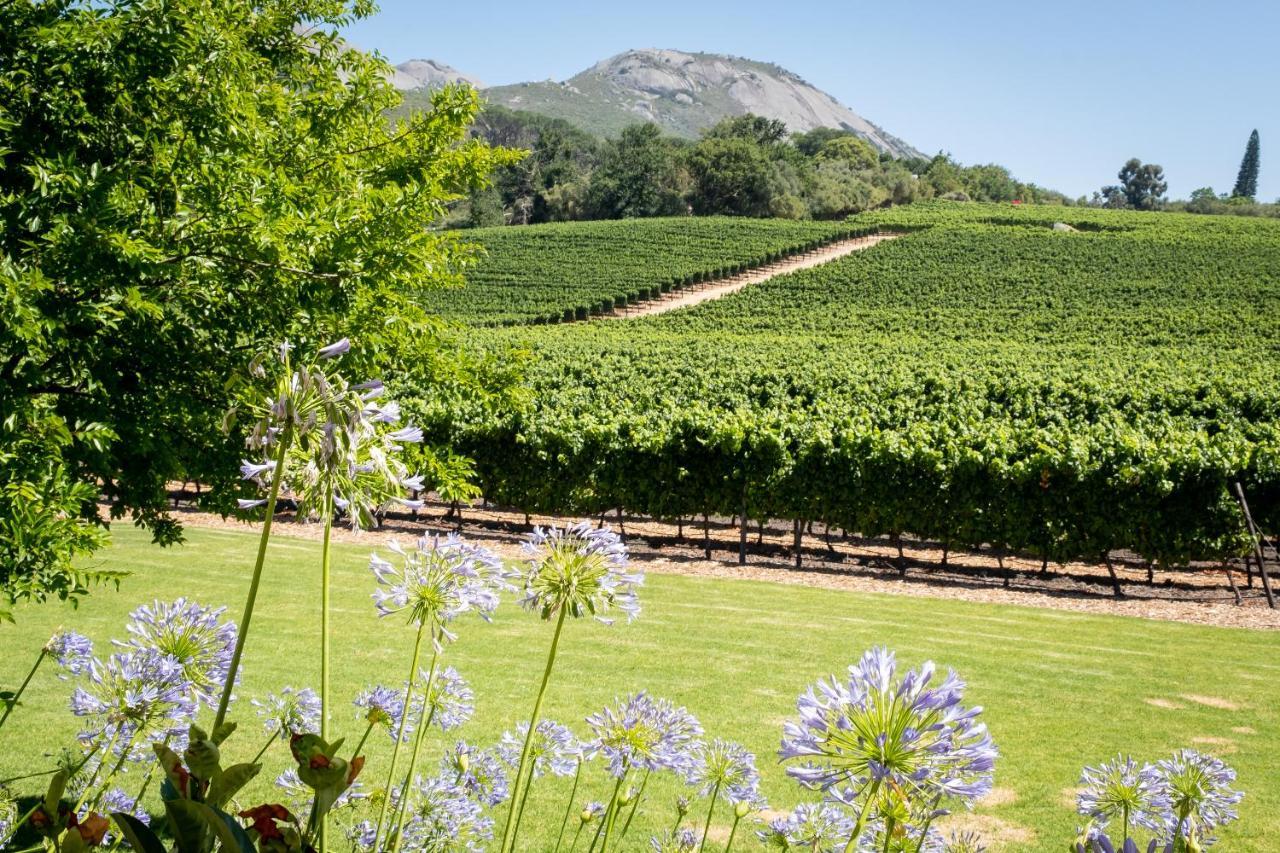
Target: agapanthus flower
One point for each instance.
(450, 700)
(680, 841)
(868, 731)
(132, 694)
(647, 733)
(335, 349)
(580, 569)
(726, 768)
(8, 816)
(292, 712)
(192, 634)
(442, 817)
(479, 772)
(964, 842)
(1100, 843)
(593, 810)
(72, 651)
(821, 827)
(1199, 794)
(553, 748)
(384, 706)
(113, 801)
(438, 581)
(1121, 789)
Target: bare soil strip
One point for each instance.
(863, 565)
(719, 287)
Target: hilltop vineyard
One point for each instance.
(571, 271)
(985, 381)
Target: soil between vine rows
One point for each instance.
(1200, 595)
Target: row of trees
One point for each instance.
(743, 166)
(1143, 186)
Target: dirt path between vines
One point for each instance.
(862, 565)
(706, 291)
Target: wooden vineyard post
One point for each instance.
(742, 531)
(706, 536)
(1111, 570)
(1231, 579)
(1257, 545)
(799, 534)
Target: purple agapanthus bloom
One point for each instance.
(132, 695)
(553, 749)
(72, 651)
(335, 349)
(384, 706)
(450, 700)
(479, 772)
(194, 635)
(1121, 789)
(866, 731)
(1200, 795)
(442, 817)
(580, 569)
(683, 840)
(438, 581)
(821, 827)
(292, 712)
(728, 769)
(643, 732)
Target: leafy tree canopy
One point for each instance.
(181, 183)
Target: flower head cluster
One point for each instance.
(1121, 789)
(72, 651)
(581, 570)
(553, 749)
(1201, 798)
(871, 731)
(132, 695)
(344, 443)
(643, 732)
(811, 826)
(384, 706)
(727, 768)
(964, 842)
(292, 712)
(678, 841)
(438, 581)
(450, 700)
(440, 817)
(195, 636)
(481, 773)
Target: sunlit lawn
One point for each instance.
(1060, 689)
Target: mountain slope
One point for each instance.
(683, 93)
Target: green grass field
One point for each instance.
(1060, 689)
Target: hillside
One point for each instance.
(681, 92)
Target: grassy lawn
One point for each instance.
(1060, 689)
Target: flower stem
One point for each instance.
(325, 563)
(577, 777)
(889, 825)
(644, 783)
(611, 813)
(575, 836)
(424, 722)
(524, 798)
(862, 818)
(732, 832)
(508, 835)
(267, 745)
(364, 737)
(13, 703)
(706, 827)
(404, 720)
(276, 476)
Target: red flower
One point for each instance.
(264, 819)
(319, 761)
(93, 829)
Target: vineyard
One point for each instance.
(986, 381)
(571, 271)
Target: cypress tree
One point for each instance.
(1247, 182)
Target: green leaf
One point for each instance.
(230, 833)
(229, 781)
(188, 825)
(137, 834)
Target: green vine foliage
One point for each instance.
(985, 381)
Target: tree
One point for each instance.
(637, 176)
(1142, 187)
(1247, 181)
(183, 182)
(753, 128)
(730, 176)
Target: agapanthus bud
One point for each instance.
(335, 349)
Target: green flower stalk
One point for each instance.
(580, 571)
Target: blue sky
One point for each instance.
(1062, 93)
